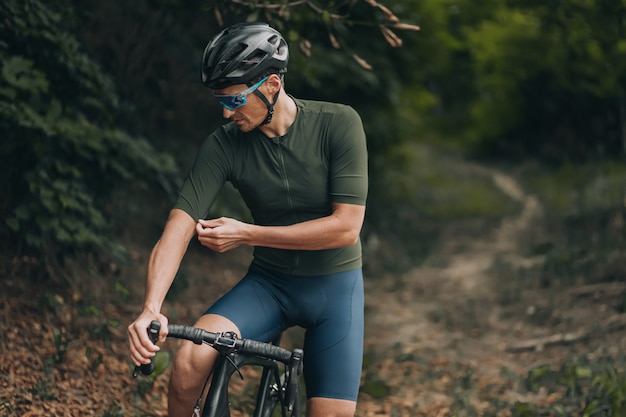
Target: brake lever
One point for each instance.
(295, 370)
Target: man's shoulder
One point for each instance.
(229, 132)
(225, 138)
(330, 111)
(323, 107)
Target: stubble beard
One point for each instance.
(247, 126)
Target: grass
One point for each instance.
(578, 189)
(444, 188)
(422, 190)
(585, 208)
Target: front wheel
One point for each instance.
(295, 411)
(268, 396)
(271, 396)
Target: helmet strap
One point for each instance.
(270, 106)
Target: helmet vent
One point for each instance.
(254, 58)
(232, 55)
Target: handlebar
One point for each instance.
(223, 342)
(229, 342)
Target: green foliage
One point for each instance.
(514, 78)
(585, 207)
(162, 360)
(375, 388)
(500, 69)
(521, 409)
(537, 68)
(60, 344)
(600, 386)
(122, 292)
(6, 409)
(610, 393)
(440, 188)
(115, 410)
(94, 360)
(579, 189)
(67, 159)
(45, 388)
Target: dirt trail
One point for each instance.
(458, 269)
(445, 314)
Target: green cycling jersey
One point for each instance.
(288, 179)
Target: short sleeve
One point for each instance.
(348, 164)
(208, 174)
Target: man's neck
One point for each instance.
(285, 112)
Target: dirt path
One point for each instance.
(445, 314)
(458, 335)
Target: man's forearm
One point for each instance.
(339, 229)
(166, 258)
(319, 234)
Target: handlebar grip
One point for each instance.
(266, 350)
(193, 334)
(153, 334)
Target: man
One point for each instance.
(301, 168)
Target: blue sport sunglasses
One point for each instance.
(238, 100)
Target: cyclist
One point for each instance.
(301, 168)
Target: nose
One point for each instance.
(227, 113)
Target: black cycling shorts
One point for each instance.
(329, 307)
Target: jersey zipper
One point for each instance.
(283, 167)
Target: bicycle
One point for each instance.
(275, 388)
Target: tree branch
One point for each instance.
(613, 323)
(271, 5)
(391, 21)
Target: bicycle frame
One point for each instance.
(217, 400)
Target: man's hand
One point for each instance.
(141, 347)
(221, 235)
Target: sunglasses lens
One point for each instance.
(232, 102)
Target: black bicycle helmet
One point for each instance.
(241, 53)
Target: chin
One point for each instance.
(245, 128)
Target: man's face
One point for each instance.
(241, 105)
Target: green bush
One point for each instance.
(599, 387)
(66, 159)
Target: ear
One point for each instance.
(273, 83)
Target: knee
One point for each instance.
(190, 368)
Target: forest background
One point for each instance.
(101, 112)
